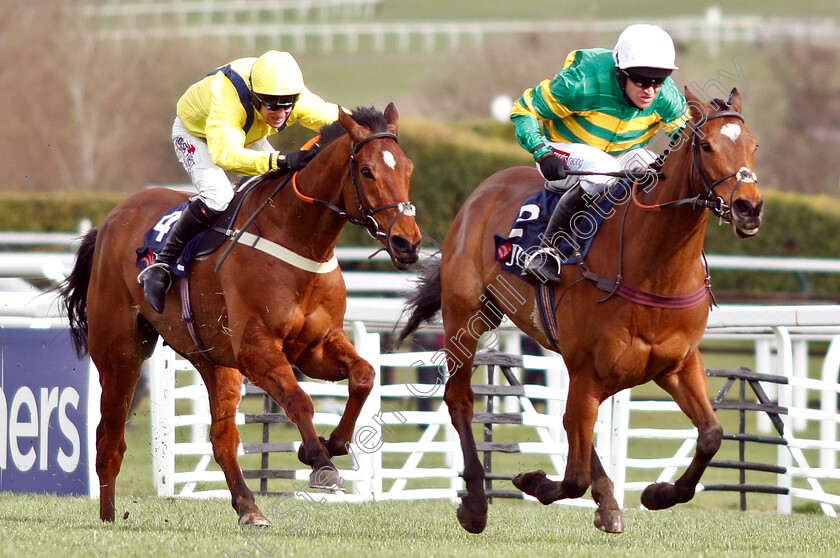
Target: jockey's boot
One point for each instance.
(156, 278)
(544, 263)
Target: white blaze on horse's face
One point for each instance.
(732, 131)
(389, 159)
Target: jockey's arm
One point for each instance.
(225, 134)
(545, 102)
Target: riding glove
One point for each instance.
(295, 160)
(552, 167)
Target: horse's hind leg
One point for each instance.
(118, 349)
(460, 346)
(224, 390)
(688, 388)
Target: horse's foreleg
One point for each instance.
(579, 422)
(262, 361)
(688, 388)
(608, 516)
(336, 359)
(224, 390)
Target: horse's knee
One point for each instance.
(361, 379)
(708, 440)
(298, 405)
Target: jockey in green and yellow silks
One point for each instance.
(597, 114)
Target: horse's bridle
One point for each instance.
(363, 205)
(707, 198)
(718, 206)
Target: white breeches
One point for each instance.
(582, 157)
(212, 182)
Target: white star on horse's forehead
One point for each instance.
(389, 159)
(732, 131)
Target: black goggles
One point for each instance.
(277, 102)
(643, 82)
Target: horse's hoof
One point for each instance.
(528, 482)
(535, 484)
(609, 521)
(326, 478)
(471, 521)
(659, 496)
(302, 452)
(254, 518)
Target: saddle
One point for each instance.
(532, 219)
(204, 242)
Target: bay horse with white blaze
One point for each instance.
(609, 343)
(259, 314)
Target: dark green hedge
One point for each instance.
(450, 161)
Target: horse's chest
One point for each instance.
(636, 360)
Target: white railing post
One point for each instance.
(828, 404)
(368, 439)
(784, 502)
(800, 370)
(619, 427)
(200, 406)
(162, 410)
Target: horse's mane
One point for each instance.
(369, 117)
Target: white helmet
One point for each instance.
(644, 46)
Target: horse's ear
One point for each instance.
(391, 117)
(355, 131)
(735, 100)
(697, 109)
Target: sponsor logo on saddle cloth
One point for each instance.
(155, 238)
(530, 223)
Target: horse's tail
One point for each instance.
(73, 292)
(424, 303)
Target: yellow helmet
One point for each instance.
(276, 73)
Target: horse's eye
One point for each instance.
(366, 172)
(706, 146)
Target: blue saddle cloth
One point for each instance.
(528, 227)
(155, 238)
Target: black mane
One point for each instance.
(366, 116)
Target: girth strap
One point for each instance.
(617, 286)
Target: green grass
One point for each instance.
(49, 526)
(709, 525)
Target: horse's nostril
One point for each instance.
(745, 209)
(403, 246)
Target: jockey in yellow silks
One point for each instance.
(221, 126)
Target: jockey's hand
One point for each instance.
(295, 160)
(552, 167)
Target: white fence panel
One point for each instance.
(810, 456)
